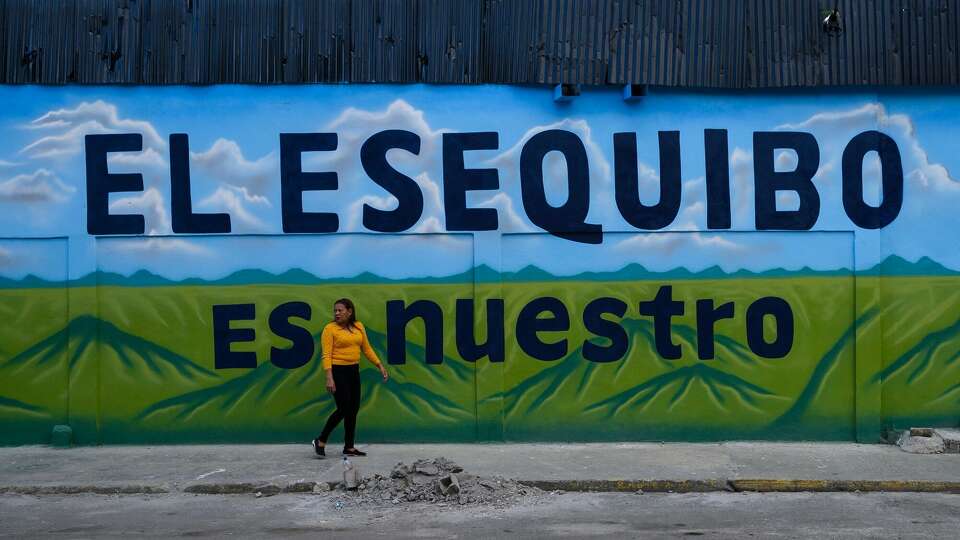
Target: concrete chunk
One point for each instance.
(951, 440)
(921, 445)
(449, 485)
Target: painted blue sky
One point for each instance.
(234, 139)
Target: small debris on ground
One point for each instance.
(951, 440)
(922, 444)
(439, 481)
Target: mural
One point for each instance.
(689, 266)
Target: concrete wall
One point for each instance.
(687, 266)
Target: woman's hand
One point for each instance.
(383, 371)
(331, 386)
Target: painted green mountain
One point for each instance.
(536, 393)
(10, 405)
(28, 282)
(895, 265)
(128, 369)
(669, 390)
(637, 272)
(891, 266)
(269, 402)
(643, 389)
(24, 423)
(295, 276)
(921, 385)
(813, 414)
(132, 353)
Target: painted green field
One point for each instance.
(736, 395)
(139, 367)
(33, 393)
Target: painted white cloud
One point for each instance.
(786, 161)
(233, 200)
(668, 243)
(71, 125)
(430, 225)
(355, 210)
(6, 257)
(931, 193)
(862, 117)
(824, 174)
(149, 163)
(238, 185)
(224, 162)
(602, 203)
(137, 161)
(510, 158)
(432, 205)
(875, 116)
(158, 246)
(510, 221)
(354, 126)
(41, 185)
(741, 170)
(151, 205)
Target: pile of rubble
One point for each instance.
(439, 481)
(930, 441)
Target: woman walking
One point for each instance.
(342, 341)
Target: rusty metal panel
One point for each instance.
(449, 50)
(383, 41)
(512, 48)
(683, 43)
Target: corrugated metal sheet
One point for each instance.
(687, 43)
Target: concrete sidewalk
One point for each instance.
(739, 466)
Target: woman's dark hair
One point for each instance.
(347, 303)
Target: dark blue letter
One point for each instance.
(864, 215)
(293, 182)
(662, 309)
(302, 341)
(399, 316)
(184, 220)
(782, 314)
(373, 157)
(595, 323)
(223, 336)
(717, 165)
(100, 184)
(631, 208)
(467, 344)
(707, 316)
(457, 181)
(767, 181)
(566, 221)
(528, 325)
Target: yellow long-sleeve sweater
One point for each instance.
(342, 346)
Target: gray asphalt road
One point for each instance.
(581, 515)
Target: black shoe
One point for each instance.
(353, 452)
(317, 448)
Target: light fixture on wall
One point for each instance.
(633, 92)
(563, 93)
(832, 24)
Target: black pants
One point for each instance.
(347, 397)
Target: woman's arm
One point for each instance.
(370, 353)
(326, 344)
